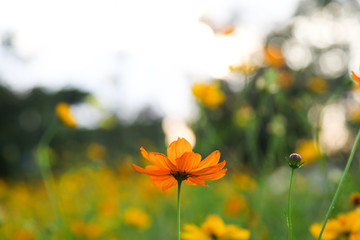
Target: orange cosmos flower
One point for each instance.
(355, 77)
(181, 164)
(274, 56)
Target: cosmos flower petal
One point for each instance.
(355, 77)
(151, 171)
(159, 180)
(161, 160)
(187, 181)
(209, 170)
(188, 161)
(157, 159)
(196, 181)
(214, 176)
(210, 160)
(169, 183)
(144, 153)
(177, 148)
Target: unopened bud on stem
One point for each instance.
(295, 161)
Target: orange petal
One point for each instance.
(169, 183)
(158, 180)
(144, 153)
(188, 161)
(158, 159)
(214, 176)
(161, 160)
(210, 160)
(208, 170)
(355, 77)
(195, 181)
(151, 170)
(177, 148)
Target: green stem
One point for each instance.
(289, 205)
(42, 155)
(340, 184)
(178, 209)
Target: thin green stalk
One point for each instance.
(178, 209)
(289, 205)
(340, 184)
(42, 155)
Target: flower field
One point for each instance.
(95, 202)
(271, 151)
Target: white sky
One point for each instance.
(131, 53)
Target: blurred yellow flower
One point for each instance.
(137, 217)
(245, 68)
(244, 182)
(354, 114)
(77, 228)
(345, 225)
(309, 151)
(23, 234)
(214, 228)
(317, 85)
(244, 115)
(96, 151)
(92, 231)
(85, 230)
(284, 80)
(235, 204)
(108, 208)
(209, 94)
(274, 56)
(332, 229)
(63, 112)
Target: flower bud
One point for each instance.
(295, 161)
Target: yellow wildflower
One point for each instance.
(274, 56)
(87, 230)
(354, 114)
(345, 225)
(92, 231)
(331, 231)
(96, 151)
(244, 182)
(317, 85)
(209, 94)
(23, 234)
(108, 208)
(309, 151)
(244, 115)
(245, 68)
(77, 228)
(137, 217)
(235, 204)
(284, 80)
(214, 228)
(63, 112)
